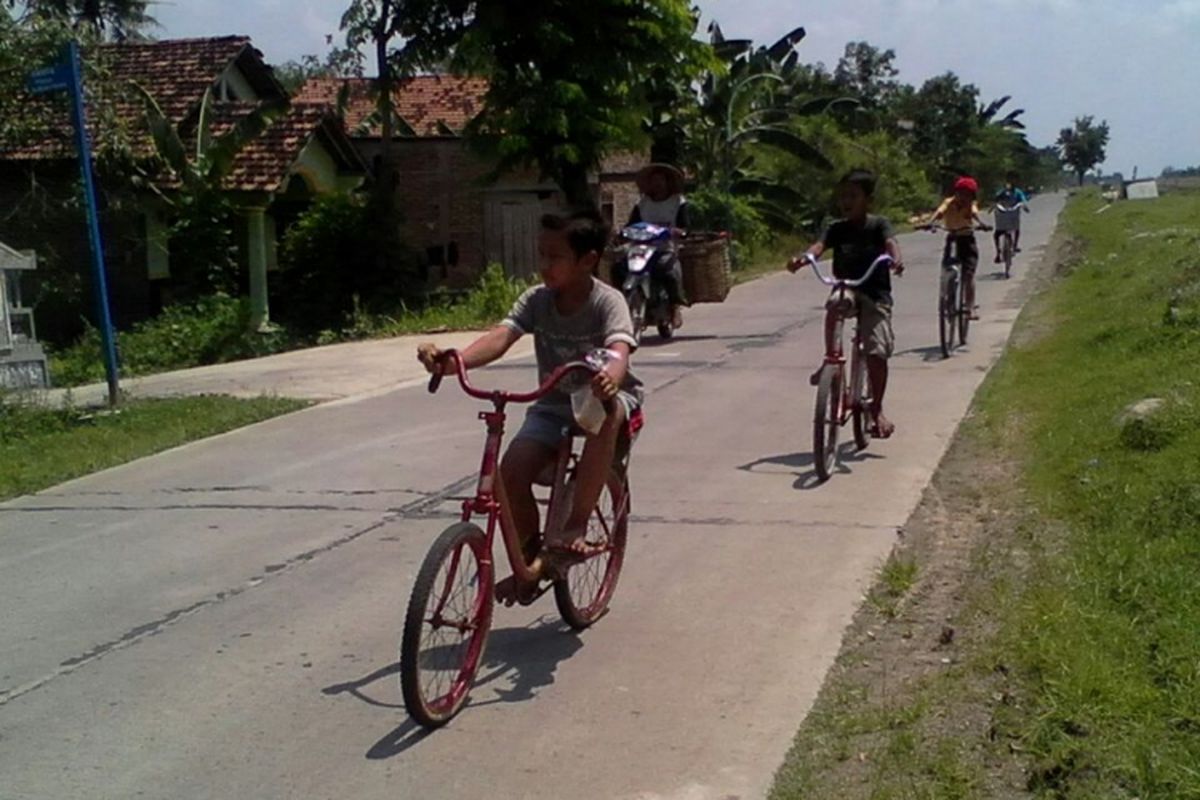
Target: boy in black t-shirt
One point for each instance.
(857, 240)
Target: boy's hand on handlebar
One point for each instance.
(603, 386)
(431, 355)
(800, 262)
(898, 267)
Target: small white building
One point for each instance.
(1141, 190)
(22, 361)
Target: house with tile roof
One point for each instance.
(454, 209)
(303, 152)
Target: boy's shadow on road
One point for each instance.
(801, 465)
(528, 657)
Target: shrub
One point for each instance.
(212, 330)
(719, 211)
(333, 266)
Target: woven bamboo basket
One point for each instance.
(707, 267)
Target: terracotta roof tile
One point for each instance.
(262, 164)
(175, 72)
(431, 105)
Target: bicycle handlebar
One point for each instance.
(934, 227)
(846, 282)
(552, 380)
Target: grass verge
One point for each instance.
(41, 446)
(1048, 644)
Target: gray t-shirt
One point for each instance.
(602, 321)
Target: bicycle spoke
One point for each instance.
(449, 628)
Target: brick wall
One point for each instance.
(443, 198)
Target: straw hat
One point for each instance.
(673, 175)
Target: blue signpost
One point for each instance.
(68, 76)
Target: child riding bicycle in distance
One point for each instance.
(857, 240)
(959, 215)
(569, 315)
(1010, 197)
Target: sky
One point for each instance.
(1134, 63)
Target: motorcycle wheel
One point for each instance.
(637, 312)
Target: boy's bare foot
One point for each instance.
(575, 544)
(883, 427)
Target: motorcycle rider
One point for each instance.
(662, 203)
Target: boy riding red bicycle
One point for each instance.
(570, 315)
(857, 241)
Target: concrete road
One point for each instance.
(221, 621)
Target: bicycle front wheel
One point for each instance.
(860, 396)
(827, 420)
(1008, 254)
(446, 627)
(586, 587)
(964, 312)
(947, 313)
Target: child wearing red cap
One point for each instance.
(960, 215)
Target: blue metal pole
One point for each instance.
(99, 278)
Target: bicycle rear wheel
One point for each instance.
(585, 589)
(860, 396)
(827, 420)
(446, 627)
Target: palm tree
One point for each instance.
(115, 19)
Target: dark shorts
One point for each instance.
(964, 250)
(551, 424)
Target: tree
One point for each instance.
(1083, 146)
(568, 81)
(868, 74)
(339, 62)
(945, 118)
(747, 115)
(117, 20)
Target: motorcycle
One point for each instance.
(648, 252)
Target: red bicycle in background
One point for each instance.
(450, 608)
(839, 400)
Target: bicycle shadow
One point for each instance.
(802, 465)
(930, 354)
(529, 656)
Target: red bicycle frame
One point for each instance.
(490, 498)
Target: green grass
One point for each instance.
(1105, 636)
(899, 574)
(1082, 679)
(41, 447)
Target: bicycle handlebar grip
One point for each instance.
(435, 381)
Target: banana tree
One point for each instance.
(749, 112)
(189, 181)
(1010, 121)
